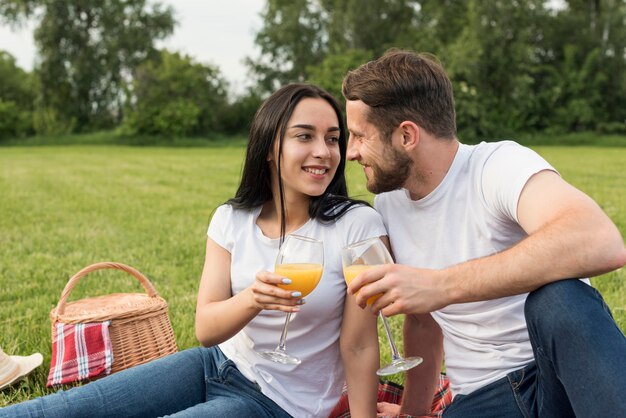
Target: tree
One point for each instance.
(174, 96)
(585, 65)
(329, 73)
(88, 51)
(17, 95)
(492, 63)
(298, 35)
(291, 39)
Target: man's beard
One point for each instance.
(391, 176)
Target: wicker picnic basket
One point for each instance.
(140, 329)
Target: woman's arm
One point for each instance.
(359, 351)
(422, 337)
(219, 315)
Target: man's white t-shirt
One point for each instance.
(312, 388)
(471, 214)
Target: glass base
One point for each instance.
(399, 365)
(279, 357)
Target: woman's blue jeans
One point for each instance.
(199, 382)
(579, 368)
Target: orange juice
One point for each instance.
(304, 276)
(354, 270)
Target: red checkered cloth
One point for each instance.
(79, 352)
(392, 393)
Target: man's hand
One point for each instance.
(404, 289)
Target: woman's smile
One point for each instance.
(316, 171)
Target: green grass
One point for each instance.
(65, 207)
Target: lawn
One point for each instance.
(63, 208)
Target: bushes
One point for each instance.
(14, 122)
(173, 96)
(17, 94)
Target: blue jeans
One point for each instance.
(192, 383)
(579, 368)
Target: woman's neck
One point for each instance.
(296, 215)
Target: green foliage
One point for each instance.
(47, 121)
(329, 73)
(290, 41)
(366, 25)
(87, 51)
(17, 94)
(297, 35)
(235, 117)
(516, 66)
(14, 122)
(175, 97)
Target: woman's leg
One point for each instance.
(160, 387)
(230, 394)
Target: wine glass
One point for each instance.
(364, 255)
(300, 259)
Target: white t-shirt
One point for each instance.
(471, 214)
(312, 388)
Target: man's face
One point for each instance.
(386, 168)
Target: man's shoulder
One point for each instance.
(386, 199)
(488, 148)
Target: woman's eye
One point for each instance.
(333, 139)
(304, 137)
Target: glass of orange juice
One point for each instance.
(300, 259)
(357, 258)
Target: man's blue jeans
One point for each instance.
(579, 368)
(199, 382)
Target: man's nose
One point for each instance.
(352, 152)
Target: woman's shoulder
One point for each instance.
(227, 214)
(360, 214)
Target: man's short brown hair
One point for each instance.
(403, 85)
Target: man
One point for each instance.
(473, 230)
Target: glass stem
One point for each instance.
(394, 350)
(283, 337)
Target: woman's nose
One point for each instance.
(321, 149)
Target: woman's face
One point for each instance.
(310, 153)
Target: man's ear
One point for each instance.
(410, 132)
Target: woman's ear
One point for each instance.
(270, 155)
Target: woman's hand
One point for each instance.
(387, 410)
(267, 295)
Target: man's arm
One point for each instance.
(569, 236)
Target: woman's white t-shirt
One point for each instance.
(471, 214)
(313, 387)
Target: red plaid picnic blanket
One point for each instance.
(79, 352)
(392, 393)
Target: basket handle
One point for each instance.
(149, 288)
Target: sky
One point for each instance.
(216, 32)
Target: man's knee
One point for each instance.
(558, 305)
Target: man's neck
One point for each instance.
(432, 162)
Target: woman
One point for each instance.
(293, 182)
